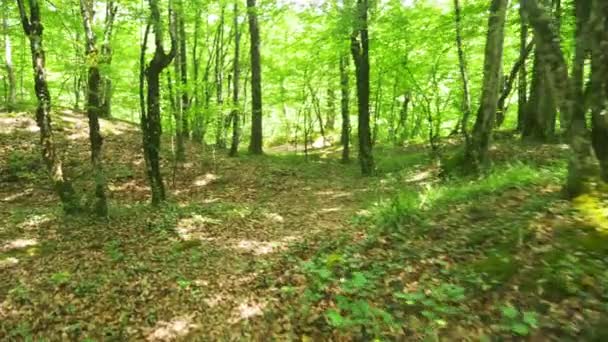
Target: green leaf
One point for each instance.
(335, 319)
(509, 312)
(530, 318)
(520, 329)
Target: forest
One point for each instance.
(304, 170)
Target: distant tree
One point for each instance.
(476, 152)
(462, 125)
(8, 59)
(236, 71)
(94, 106)
(360, 53)
(32, 26)
(150, 118)
(106, 59)
(344, 108)
(256, 144)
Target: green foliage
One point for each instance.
(519, 323)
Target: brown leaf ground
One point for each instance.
(215, 261)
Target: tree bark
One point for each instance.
(10, 69)
(345, 110)
(151, 120)
(94, 107)
(508, 84)
(183, 65)
(220, 140)
(476, 152)
(234, 146)
(466, 94)
(256, 143)
(360, 52)
(32, 26)
(580, 164)
(599, 83)
(106, 60)
(522, 86)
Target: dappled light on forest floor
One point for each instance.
(8, 262)
(18, 195)
(258, 247)
(18, 244)
(169, 331)
(204, 180)
(248, 310)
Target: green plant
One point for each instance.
(516, 322)
(60, 278)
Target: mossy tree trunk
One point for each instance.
(106, 60)
(151, 119)
(94, 108)
(236, 71)
(32, 26)
(476, 152)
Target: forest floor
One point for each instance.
(287, 248)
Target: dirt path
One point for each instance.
(201, 266)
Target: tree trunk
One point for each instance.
(539, 124)
(106, 60)
(580, 164)
(10, 69)
(330, 120)
(508, 84)
(93, 107)
(33, 28)
(345, 103)
(360, 52)
(183, 65)
(522, 86)
(197, 119)
(220, 141)
(255, 145)
(234, 146)
(476, 153)
(599, 84)
(151, 120)
(466, 94)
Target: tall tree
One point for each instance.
(360, 53)
(176, 98)
(106, 60)
(599, 83)
(32, 26)
(150, 118)
(235, 117)
(522, 84)
(94, 106)
(8, 59)
(183, 69)
(464, 76)
(220, 140)
(476, 152)
(580, 164)
(256, 143)
(344, 108)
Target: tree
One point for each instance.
(256, 144)
(466, 93)
(32, 26)
(360, 53)
(106, 60)
(94, 107)
(580, 163)
(8, 59)
(235, 117)
(150, 118)
(344, 109)
(476, 149)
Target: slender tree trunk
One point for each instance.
(10, 69)
(220, 141)
(197, 119)
(345, 110)
(476, 153)
(508, 84)
(32, 26)
(256, 144)
(151, 119)
(464, 76)
(522, 86)
(94, 108)
(330, 120)
(176, 103)
(360, 52)
(234, 146)
(183, 65)
(106, 60)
